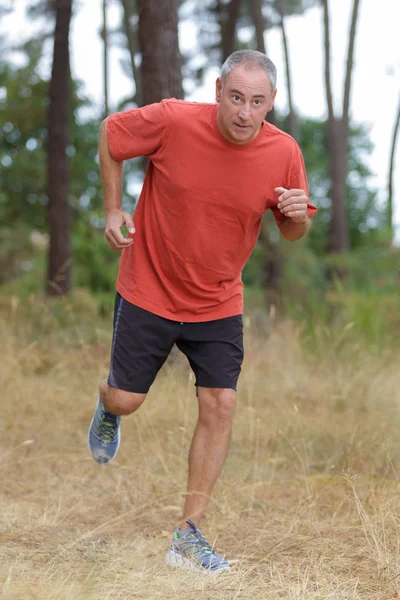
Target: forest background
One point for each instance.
(353, 233)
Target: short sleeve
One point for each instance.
(297, 180)
(136, 132)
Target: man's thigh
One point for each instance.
(214, 350)
(141, 344)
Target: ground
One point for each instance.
(307, 506)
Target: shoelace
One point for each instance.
(204, 546)
(107, 427)
(197, 542)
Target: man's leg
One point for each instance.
(104, 434)
(215, 353)
(141, 343)
(119, 402)
(189, 549)
(209, 449)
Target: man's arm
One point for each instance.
(110, 171)
(111, 176)
(293, 231)
(293, 205)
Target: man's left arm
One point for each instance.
(293, 205)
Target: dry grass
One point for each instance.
(307, 507)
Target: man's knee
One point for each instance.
(216, 405)
(120, 402)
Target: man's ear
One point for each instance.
(271, 104)
(218, 89)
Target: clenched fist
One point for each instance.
(115, 220)
(293, 204)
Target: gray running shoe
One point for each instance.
(189, 549)
(104, 435)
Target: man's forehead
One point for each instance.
(248, 75)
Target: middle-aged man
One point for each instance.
(214, 170)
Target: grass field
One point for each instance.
(307, 507)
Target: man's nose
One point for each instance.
(244, 112)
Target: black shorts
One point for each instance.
(142, 342)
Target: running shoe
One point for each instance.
(190, 549)
(104, 435)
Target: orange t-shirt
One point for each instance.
(199, 213)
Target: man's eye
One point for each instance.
(257, 102)
(236, 98)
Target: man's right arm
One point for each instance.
(111, 175)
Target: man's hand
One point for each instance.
(115, 219)
(293, 204)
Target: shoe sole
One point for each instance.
(176, 560)
(102, 462)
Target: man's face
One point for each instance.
(244, 100)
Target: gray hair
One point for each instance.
(254, 57)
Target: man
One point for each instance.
(214, 169)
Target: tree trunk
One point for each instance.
(59, 259)
(327, 45)
(338, 234)
(337, 143)
(229, 29)
(161, 59)
(293, 123)
(259, 23)
(391, 170)
(131, 36)
(349, 72)
(105, 58)
(341, 240)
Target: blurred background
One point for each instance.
(66, 64)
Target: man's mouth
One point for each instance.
(241, 126)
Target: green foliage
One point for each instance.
(74, 320)
(23, 193)
(15, 251)
(96, 266)
(364, 306)
(22, 140)
(366, 302)
(365, 218)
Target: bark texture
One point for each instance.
(229, 39)
(161, 60)
(260, 25)
(293, 122)
(338, 136)
(129, 9)
(59, 215)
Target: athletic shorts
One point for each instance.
(142, 342)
